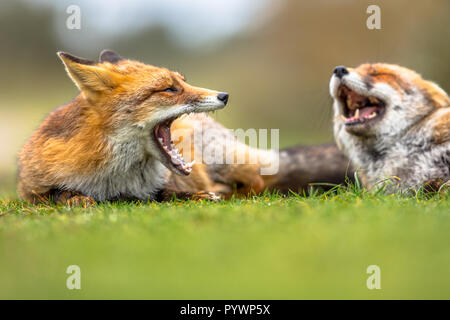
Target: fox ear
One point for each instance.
(88, 76)
(109, 56)
(437, 94)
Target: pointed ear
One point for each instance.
(89, 77)
(437, 94)
(109, 56)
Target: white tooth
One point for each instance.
(175, 161)
(165, 147)
(191, 164)
(372, 115)
(343, 118)
(357, 113)
(160, 140)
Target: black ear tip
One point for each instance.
(106, 52)
(109, 56)
(65, 55)
(62, 54)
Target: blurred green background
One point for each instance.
(274, 57)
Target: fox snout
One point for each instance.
(340, 71)
(223, 96)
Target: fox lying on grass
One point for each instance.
(113, 142)
(393, 125)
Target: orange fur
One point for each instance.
(405, 127)
(73, 141)
(76, 142)
(241, 179)
(442, 129)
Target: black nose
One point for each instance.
(340, 71)
(223, 96)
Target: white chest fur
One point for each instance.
(131, 173)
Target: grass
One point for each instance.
(268, 247)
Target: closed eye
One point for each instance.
(170, 89)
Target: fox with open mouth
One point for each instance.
(113, 141)
(392, 124)
(117, 140)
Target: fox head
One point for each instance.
(139, 101)
(381, 100)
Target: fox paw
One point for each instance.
(435, 185)
(80, 201)
(205, 195)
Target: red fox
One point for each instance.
(115, 141)
(392, 124)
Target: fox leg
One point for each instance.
(205, 195)
(73, 199)
(435, 185)
(168, 194)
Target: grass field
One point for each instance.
(270, 247)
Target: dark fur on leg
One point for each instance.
(304, 166)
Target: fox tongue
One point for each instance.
(366, 111)
(164, 134)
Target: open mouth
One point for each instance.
(359, 109)
(163, 138)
